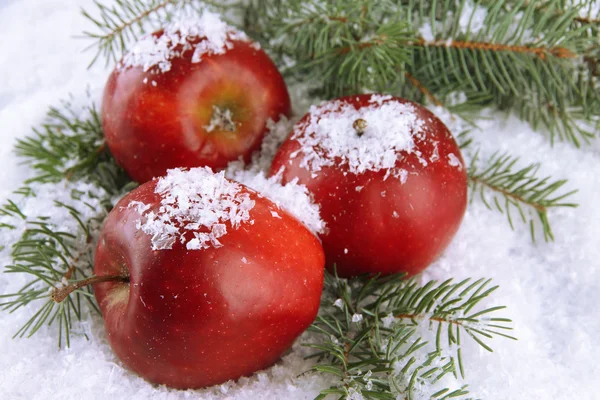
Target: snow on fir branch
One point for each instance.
(373, 336)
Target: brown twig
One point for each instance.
(416, 83)
(541, 52)
(59, 294)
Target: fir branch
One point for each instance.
(70, 146)
(55, 249)
(369, 341)
(53, 258)
(555, 8)
(503, 186)
(512, 73)
(518, 59)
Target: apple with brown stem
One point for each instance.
(201, 280)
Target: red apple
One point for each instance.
(388, 176)
(198, 93)
(220, 280)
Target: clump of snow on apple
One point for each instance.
(197, 201)
(331, 133)
(291, 197)
(205, 36)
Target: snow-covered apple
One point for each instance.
(197, 93)
(211, 281)
(388, 176)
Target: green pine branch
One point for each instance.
(518, 192)
(369, 343)
(56, 245)
(523, 55)
(53, 258)
(70, 146)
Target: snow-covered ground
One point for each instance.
(551, 290)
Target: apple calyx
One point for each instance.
(360, 125)
(61, 293)
(221, 120)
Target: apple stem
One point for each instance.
(222, 119)
(61, 293)
(360, 125)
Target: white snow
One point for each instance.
(357, 318)
(551, 290)
(292, 197)
(195, 200)
(387, 127)
(472, 17)
(206, 35)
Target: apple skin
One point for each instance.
(195, 318)
(160, 124)
(388, 226)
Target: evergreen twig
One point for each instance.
(368, 337)
(503, 186)
(539, 62)
(68, 150)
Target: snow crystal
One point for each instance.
(353, 394)
(472, 17)
(275, 215)
(205, 36)
(330, 133)
(388, 320)
(357, 317)
(197, 201)
(426, 32)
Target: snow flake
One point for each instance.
(357, 317)
(388, 320)
(274, 214)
